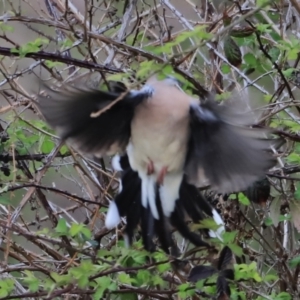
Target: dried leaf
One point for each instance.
(5, 109)
(232, 52)
(275, 210)
(201, 272)
(241, 32)
(295, 213)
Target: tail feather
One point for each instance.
(195, 204)
(177, 220)
(163, 230)
(133, 217)
(147, 225)
(128, 203)
(130, 188)
(190, 199)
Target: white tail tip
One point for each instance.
(220, 230)
(113, 217)
(115, 162)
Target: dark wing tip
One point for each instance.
(94, 121)
(232, 156)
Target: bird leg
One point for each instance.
(161, 175)
(150, 167)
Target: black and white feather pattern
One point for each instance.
(128, 203)
(199, 141)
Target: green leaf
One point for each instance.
(293, 158)
(127, 296)
(294, 262)
(143, 277)
(67, 43)
(287, 217)
(30, 47)
(237, 250)
(208, 223)
(103, 284)
(5, 200)
(263, 28)
(125, 278)
(83, 281)
(166, 48)
(297, 192)
(32, 281)
(292, 54)
(76, 229)
(82, 273)
(62, 227)
(243, 199)
(118, 76)
(64, 150)
(262, 3)
(229, 237)
(157, 280)
(225, 69)
(47, 146)
(283, 296)
(245, 272)
(288, 72)
(200, 284)
(270, 277)
(250, 59)
(6, 287)
(98, 295)
(257, 277)
(199, 32)
(86, 232)
(61, 280)
(183, 287)
(44, 231)
(187, 293)
(5, 27)
(4, 189)
(164, 267)
(268, 221)
(167, 70)
(147, 68)
(53, 64)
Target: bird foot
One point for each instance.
(161, 175)
(150, 168)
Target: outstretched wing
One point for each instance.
(231, 157)
(93, 121)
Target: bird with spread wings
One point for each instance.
(167, 143)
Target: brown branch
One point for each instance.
(6, 157)
(60, 58)
(52, 189)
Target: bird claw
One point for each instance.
(150, 168)
(161, 175)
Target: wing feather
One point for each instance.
(230, 156)
(94, 121)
